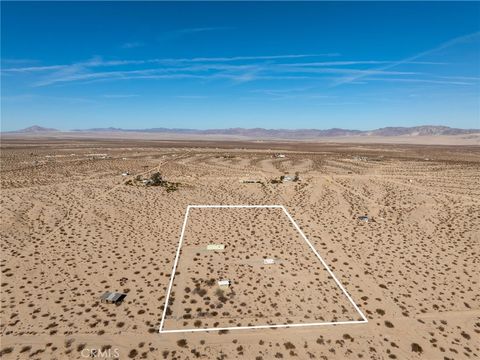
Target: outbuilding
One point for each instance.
(215, 247)
(224, 283)
(288, 178)
(112, 297)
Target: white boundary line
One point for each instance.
(175, 263)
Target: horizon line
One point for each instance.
(112, 128)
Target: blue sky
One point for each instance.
(230, 64)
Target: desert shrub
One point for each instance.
(39, 351)
(157, 179)
(6, 351)
(196, 353)
(171, 187)
(182, 343)
(417, 348)
(25, 349)
(201, 292)
(132, 354)
(68, 342)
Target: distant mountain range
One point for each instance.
(34, 129)
(261, 133)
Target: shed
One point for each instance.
(287, 178)
(268, 261)
(112, 297)
(224, 283)
(215, 247)
(363, 218)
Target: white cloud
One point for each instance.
(237, 69)
(410, 59)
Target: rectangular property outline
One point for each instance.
(172, 276)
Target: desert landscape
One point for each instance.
(268, 269)
(397, 224)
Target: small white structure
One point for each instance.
(215, 247)
(224, 283)
(279, 155)
(126, 173)
(288, 178)
(268, 261)
(360, 158)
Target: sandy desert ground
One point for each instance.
(72, 228)
(464, 140)
(286, 291)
